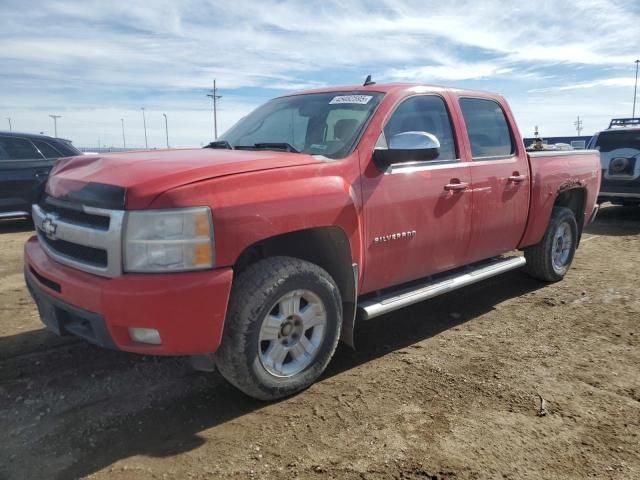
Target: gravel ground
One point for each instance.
(447, 389)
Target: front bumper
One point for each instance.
(187, 309)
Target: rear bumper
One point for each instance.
(187, 309)
(620, 195)
(14, 213)
(620, 188)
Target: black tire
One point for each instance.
(254, 296)
(540, 257)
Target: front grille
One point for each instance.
(82, 237)
(73, 214)
(93, 256)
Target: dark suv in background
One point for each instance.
(25, 162)
(619, 147)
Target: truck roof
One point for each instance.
(619, 130)
(630, 124)
(394, 86)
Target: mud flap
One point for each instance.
(203, 363)
(349, 310)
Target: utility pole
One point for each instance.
(55, 124)
(635, 89)
(536, 133)
(214, 96)
(10, 129)
(166, 128)
(124, 143)
(578, 124)
(144, 122)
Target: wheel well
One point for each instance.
(327, 247)
(573, 199)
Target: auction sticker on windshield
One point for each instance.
(357, 99)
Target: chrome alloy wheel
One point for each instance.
(561, 248)
(292, 332)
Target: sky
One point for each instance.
(95, 62)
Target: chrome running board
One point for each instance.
(388, 302)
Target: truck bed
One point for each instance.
(557, 171)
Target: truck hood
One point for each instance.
(134, 179)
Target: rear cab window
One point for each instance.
(489, 133)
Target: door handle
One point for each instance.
(41, 175)
(517, 178)
(456, 186)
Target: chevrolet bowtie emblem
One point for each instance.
(49, 226)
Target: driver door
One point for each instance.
(417, 214)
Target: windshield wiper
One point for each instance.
(219, 144)
(277, 146)
(287, 147)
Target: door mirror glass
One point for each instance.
(408, 147)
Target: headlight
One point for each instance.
(172, 240)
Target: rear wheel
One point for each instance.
(282, 327)
(550, 259)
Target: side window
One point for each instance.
(18, 149)
(424, 113)
(487, 126)
(47, 150)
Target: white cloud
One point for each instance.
(604, 82)
(462, 71)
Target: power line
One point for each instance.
(214, 96)
(578, 124)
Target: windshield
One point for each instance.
(326, 124)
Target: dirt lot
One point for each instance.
(447, 389)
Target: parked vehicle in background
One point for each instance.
(315, 210)
(25, 162)
(619, 147)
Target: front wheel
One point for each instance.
(282, 327)
(550, 259)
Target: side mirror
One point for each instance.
(408, 147)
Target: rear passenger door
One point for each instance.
(500, 178)
(23, 172)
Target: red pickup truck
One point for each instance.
(318, 209)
